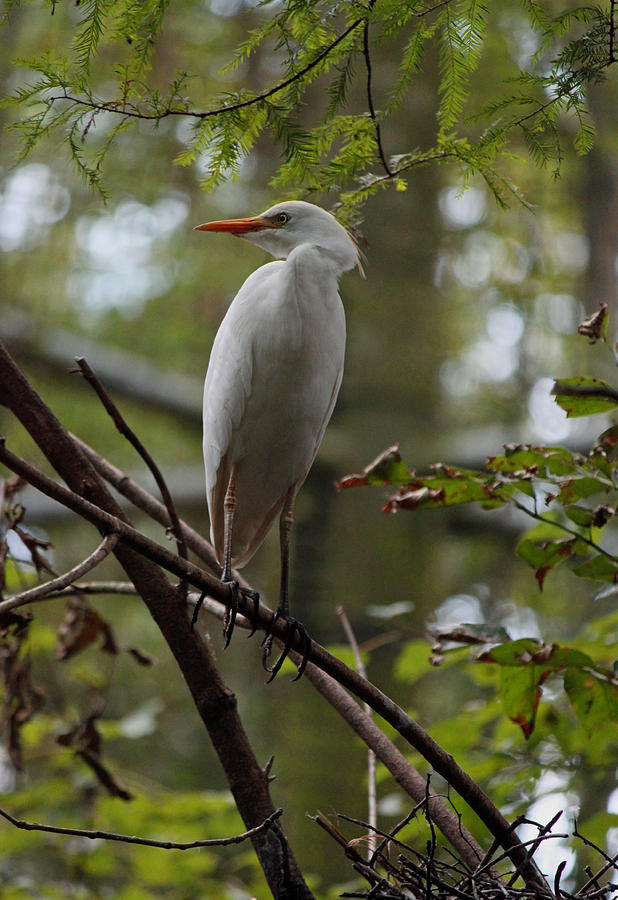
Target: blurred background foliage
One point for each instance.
(467, 313)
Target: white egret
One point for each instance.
(274, 374)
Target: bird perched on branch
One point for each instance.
(274, 374)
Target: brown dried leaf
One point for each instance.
(88, 743)
(21, 696)
(104, 776)
(595, 326)
(81, 627)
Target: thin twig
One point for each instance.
(419, 161)
(129, 434)
(487, 859)
(371, 757)
(372, 111)
(543, 831)
(144, 500)
(539, 517)
(118, 108)
(431, 844)
(532, 841)
(126, 839)
(95, 587)
(610, 864)
(557, 877)
(43, 591)
(612, 861)
(113, 106)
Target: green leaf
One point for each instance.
(581, 515)
(584, 395)
(594, 699)
(531, 651)
(580, 488)
(512, 653)
(599, 568)
(520, 693)
(448, 487)
(546, 555)
(530, 460)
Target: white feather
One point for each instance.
(274, 374)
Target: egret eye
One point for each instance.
(282, 219)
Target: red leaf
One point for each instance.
(541, 573)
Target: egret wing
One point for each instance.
(226, 391)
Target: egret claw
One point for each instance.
(293, 627)
(196, 609)
(302, 631)
(254, 597)
(230, 614)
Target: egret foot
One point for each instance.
(293, 627)
(231, 612)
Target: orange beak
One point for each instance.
(236, 226)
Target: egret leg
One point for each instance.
(229, 507)
(286, 523)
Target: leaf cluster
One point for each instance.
(573, 500)
(334, 44)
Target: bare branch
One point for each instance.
(371, 757)
(408, 778)
(98, 587)
(611, 861)
(145, 842)
(213, 699)
(372, 111)
(129, 434)
(442, 761)
(144, 500)
(43, 591)
(543, 831)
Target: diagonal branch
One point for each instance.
(143, 500)
(43, 591)
(127, 432)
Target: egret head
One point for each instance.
(288, 225)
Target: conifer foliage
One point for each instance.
(105, 81)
